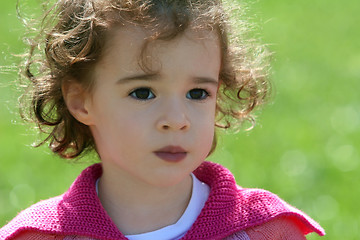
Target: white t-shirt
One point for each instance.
(199, 195)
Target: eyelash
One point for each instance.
(150, 95)
(204, 94)
(134, 95)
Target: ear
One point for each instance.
(77, 99)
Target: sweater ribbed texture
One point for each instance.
(228, 210)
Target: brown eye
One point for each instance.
(197, 94)
(142, 94)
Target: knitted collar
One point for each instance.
(229, 209)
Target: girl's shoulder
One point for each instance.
(262, 207)
(42, 215)
(76, 212)
(238, 209)
(278, 228)
(285, 228)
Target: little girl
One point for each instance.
(144, 83)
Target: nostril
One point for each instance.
(184, 127)
(175, 124)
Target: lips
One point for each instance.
(171, 153)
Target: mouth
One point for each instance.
(171, 153)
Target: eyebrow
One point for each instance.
(200, 80)
(155, 76)
(144, 77)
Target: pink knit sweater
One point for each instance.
(229, 209)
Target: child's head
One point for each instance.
(79, 34)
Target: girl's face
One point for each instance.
(155, 128)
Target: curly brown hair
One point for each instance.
(71, 39)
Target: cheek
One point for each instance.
(206, 142)
(211, 125)
(127, 125)
(205, 130)
(118, 135)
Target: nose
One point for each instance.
(173, 117)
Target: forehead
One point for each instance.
(136, 44)
(189, 56)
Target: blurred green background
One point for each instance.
(305, 147)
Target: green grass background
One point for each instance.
(305, 147)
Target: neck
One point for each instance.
(137, 207)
